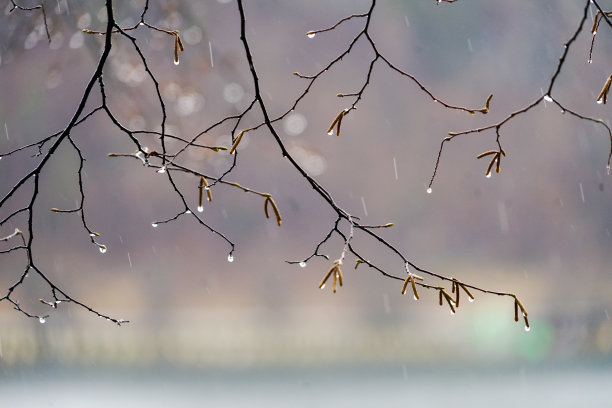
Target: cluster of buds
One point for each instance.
(203, 186)
(496, 160)
(603, 95)
(485, 110)
(237, 141)
(410, 280)
(518, 305)
(178, 46)
(270, 201)
(336, 123)
(337, 276)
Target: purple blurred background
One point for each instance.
(540, 229)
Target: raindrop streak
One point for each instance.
(503, 217)
(581, 192)
(395, 167)
(130, 260)
(212, 64)
(42, 319)
(6, 131)
(365, 209)
(154, 225)
(429, 190)
(386, 303)
(200, 208)
(230, 258)
(469, 41)
(302, 264)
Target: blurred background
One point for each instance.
(258, 331)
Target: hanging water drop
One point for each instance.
(311, 34)
(547, 98)
(471, 299)
(230, 258)
(154, 225)
(200, 208)
(608, 169)
(415, 298)
(162, 170)
(527, 328)
(429, 190)
(590, 61)
(188, 212)
(42, 319)
(102, 249)
(599, 101)
(322, 286)
(488, 175)
(176, 62)
(302, 264)
(331, 132)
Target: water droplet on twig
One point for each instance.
(42, 319)
(302, 264)
(200, 208)
(429, 190)
(154, 225)
(230, 258)
(547, 98)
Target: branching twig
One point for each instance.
(169, 160)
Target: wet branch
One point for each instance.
(355, 236)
